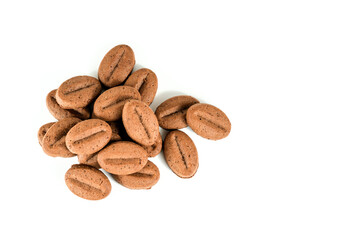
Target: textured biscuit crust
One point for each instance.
(181, 154)
(54, 141)
(42, 131)
(155, 148)
(87, 182)
(122, 158)
(145, 81)
(89, 159)
(171, 113)
(89, 136)
(61, 113)
(208, 121)
(116, 65)
(108, 106)
(140, 122)
(147, 177)
(78, 92)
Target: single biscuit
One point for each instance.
(145, 81)
(61, 113)
(208, 121)
(108, 106)
(140, 122)
(171, 113)
(116, 65)
(87, 182)
(88, 136)
(122, 158)
(54, 141)
(42, 131)
(78, 92)
(147, 177)
(181, 154)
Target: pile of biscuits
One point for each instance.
(107, 123)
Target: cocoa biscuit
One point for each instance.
(89, 159)
(171, 113)
(60, 113)
(208, 121)
(88, 136)
(54, 141)
(118, 131)
(155, 148)
(42, 131)
(78, 92)
(181, 154)
(116, 65)
(140, 122)
(87, 182)
(122, 158)
(145, 81)
(108, 106)
(147, 177)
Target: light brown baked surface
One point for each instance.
(88, 136)
(116, 65)
(89, 159)
(122, 158)
(171, 113)
(87, 182)
(181, 154)
(145, 81)
(155, 148)
(208, 121)
(42, 131)
(140, 122)
(147, 177)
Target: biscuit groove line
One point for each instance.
(180, 151)
(78, 89)
(116, 66)
(143, 83)
(85, 186)
(116, 102)
(211, 123)
(119, 161)
(90, 136)
(180, 109)
(142, 122)
(142, 175)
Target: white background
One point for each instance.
(281, 72)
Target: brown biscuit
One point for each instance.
(87, 182)
(140, 122)
(208, 121)
(89, 136)
(145, 81)
(171, 113)
(61, 113)
(108, 106)
(181, 154)
(147, 177)
(155, 148)
(54, 141)
(89, 159)
(116, 65)
(42, 131)
(122, 158)
(78, 92)
(118, 131)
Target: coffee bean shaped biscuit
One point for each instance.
(208, 121)
(42, 131)
(60, 113)
(147, 177)
(88, 136)
(87, 182)
(108, 106)
(116, 65)
(155, 148)
(171, 114)
(122, 158)
(54, 141)
(140, 122)
(117, 130)
(89, 159)
(181, 154)
(78, 92)
(145, 81)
